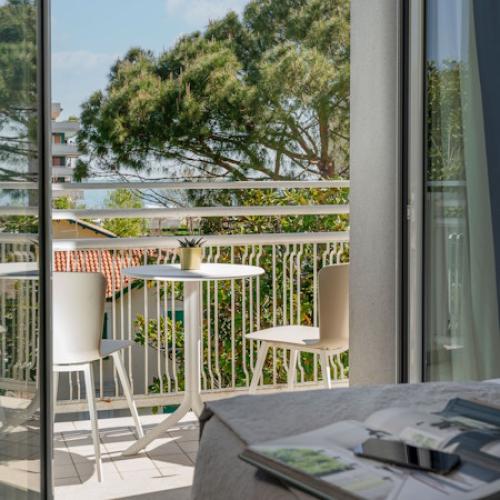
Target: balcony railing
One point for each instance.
(286, 294)
(151, 313)
(18, 319)
(65, 149)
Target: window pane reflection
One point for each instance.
(19, 422)
(462, 218)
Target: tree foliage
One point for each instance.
(264, 95)
(18, 91)
(125, 227)
(63, 203)
(445, 121)
(292, 306)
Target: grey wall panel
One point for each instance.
(375, 210)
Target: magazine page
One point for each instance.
(426, 430)
(333, 465)
(327, 453)
(478, 425)
(476, 441)
(431, 430)
(460, 428)
(473, 412)
(418, 428)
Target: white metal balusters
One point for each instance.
(283, 295)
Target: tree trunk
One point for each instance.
(326, 164)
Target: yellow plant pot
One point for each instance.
(191, 258)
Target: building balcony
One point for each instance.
(58, 171)
(67, 150)
(67, 127)
(287, 293)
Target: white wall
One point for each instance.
(375, 212)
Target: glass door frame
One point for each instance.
(45, 246)
(413, 161)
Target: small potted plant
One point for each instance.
(191, 253)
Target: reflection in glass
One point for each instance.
(19, 419)
(462, 337)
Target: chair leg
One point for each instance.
(325, 369)
(90, 390)
(292, 369)
(259, 365)
(128, 392)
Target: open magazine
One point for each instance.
(322, 462)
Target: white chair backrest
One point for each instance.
(334, 305)
(78, 315)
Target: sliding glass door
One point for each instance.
(461, 185)
(24, 423)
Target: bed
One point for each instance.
(228, 425)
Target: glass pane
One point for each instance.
(19, 419)
(462, 216)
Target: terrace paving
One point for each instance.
(165, 470)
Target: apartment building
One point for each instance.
(64, 148)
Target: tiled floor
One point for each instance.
(164, 470)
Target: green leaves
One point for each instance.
(445, 120)
(262, 96)
(191, 242)
(158, 336)
(18, 91)
(125, 227)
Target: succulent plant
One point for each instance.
(191, 242)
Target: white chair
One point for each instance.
(331, 338)
(78, 315)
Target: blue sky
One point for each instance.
(89, 35)
(447, 29)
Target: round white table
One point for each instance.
(192, 330)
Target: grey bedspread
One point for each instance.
(228, 425)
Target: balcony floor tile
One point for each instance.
(165, 470)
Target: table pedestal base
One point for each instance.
(187, 404)
(192, 348)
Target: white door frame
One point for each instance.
(415, 209)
